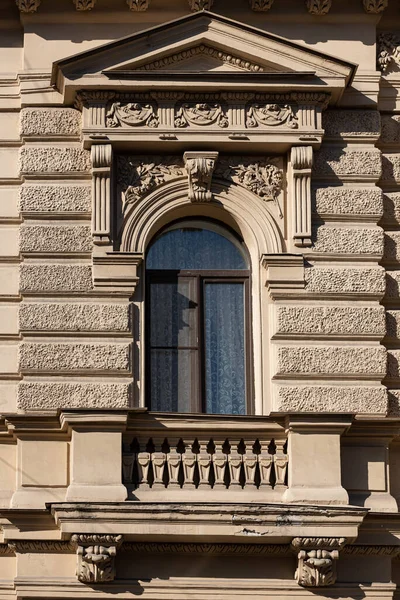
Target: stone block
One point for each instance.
(9, 129)
(390, 169)
(393, 324)
(55, 278)
(53, 395)
(43, 463)
(53, 159)
(392, 246)
(331, 360)
(331, 320)
(338, 162)
(348, 201)
(9, 277)
(393, 366)
(348, 240)
(328, 398)
(55, 198)
(351, 123)
(9, 202)
(74, 317)
(9, 241)
(74, 357)
(394, 403)
(391, 207)
(9, 163)
(8, 319)
(8, 396)
(390, 129)
(8, 470)
(56, 238)
(9, 358)
(50, 122)
(392, 285)
(345, 280)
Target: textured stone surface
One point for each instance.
(390, 169)
(390, 129)
(74, 357)
(50, 396)
(348, 201)
(53, 159)
(331, 360)
(55, 278)
(74, 317)
(340, 123)
(393, 324)
(348, 240)
(392, 246)
(394, 403)
(393, 358)
(391, 207)
(55, 198)
(340, 399)
(345, 280)
(328, 320)
(50, 121)
(392, 285)
(56, 238)
(337, 162)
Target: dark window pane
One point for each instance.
(172, 380)
(224, 348)
(173, 313)
(190, 248)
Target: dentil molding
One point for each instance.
(317, 559)
(96, 557)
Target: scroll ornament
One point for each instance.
(388, 51)
(319, 7)
(139, 177)
(96, 557)
(317, 560)
(271, 115)
(132, 114)
(201, 114)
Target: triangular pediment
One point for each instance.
(202, 43)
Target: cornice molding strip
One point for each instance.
(28, 6)
(198, 548)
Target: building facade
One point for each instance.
(199, 299)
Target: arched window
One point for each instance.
(198, 350)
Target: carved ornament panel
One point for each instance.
(389, 52)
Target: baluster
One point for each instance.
(158, 459)
(189, 459)
(235, 463)
(219, 459)
(143, 466)
(173, 462)
(250, 464)
(281, 463)
(204, 463)
(265, 461)
(128, 460)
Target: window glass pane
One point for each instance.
(173, 313)
(190, 246)
(172, 381)
(224, 348)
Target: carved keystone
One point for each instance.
(317, 560)
(200, 167)
(96, 557)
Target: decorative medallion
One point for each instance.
(271, 115)
(84, 4)
(375, 6)
(138, 5)
(132, 114)
(201, 114)
(388, 51)
(261, 5)
(28, 6)
(318, 7)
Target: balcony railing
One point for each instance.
(178, 456)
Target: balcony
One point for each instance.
(204, 458)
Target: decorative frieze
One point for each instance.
(96, 557)
(200, 4)
(317, 560)
(271, 115)
(28, 6)
(201, 114)
(375, 6)
(138, 5)
(84, 4)
(200, 168)
(41, 547)
(388, 52)
(132, 114)
(301, 160)
(319, 7)
(224, 57)
(101, 156)
(207, 549)
(261, 5)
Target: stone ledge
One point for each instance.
(50, 122)
(56, 238)
(55, 199)
(55, 278)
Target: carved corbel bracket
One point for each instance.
(138, 5)
(285, 273)
(101, 156)
(261, 5)
(319, 7)
(96, 557)
(301, 160)
(317, 560)
(116, 272)
(28, 6)
(375, 6)
(84, 4)
(200, 4)
(200, 167)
